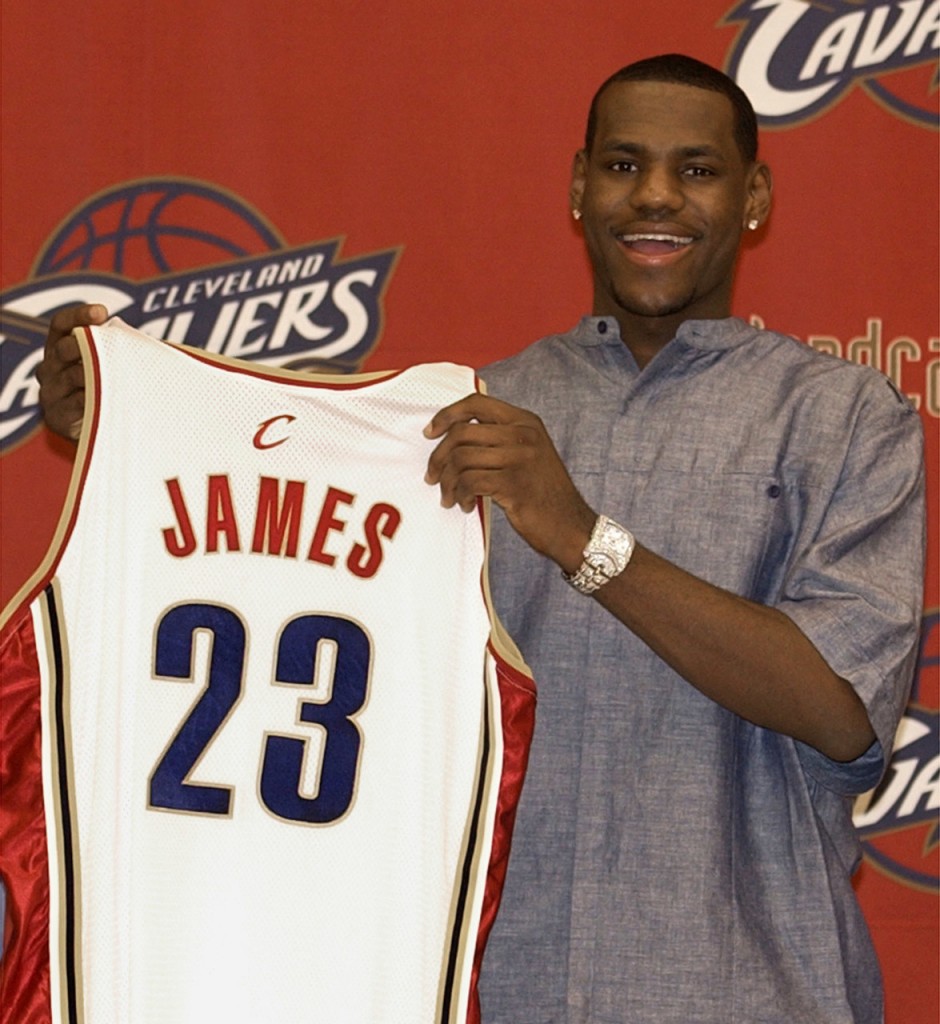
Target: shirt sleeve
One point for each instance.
(856, 589)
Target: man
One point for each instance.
(736, 663)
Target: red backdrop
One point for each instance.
(437, 137)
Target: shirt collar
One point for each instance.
(710, 335)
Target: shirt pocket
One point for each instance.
(733, 526)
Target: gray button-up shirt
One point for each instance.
(673, 863)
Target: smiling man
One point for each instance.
(719, 675)
(727, 649)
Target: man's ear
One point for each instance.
(760, 193)
(578, 179)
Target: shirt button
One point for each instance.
(602, 327)
(773, 491)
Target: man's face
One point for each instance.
(665, 194)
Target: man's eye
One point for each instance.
(699, 172)
(623, 165)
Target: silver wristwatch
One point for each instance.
(606, 556)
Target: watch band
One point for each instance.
(607, 554)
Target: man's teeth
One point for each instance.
(674, 240)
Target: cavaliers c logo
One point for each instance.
(269, 436)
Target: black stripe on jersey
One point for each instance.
(64, 791)
(463, 893)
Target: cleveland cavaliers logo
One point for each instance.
(795, 58)
(190, 262)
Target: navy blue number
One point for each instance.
(173, 659)
(282, 765)
(283, 756)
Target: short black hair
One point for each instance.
(682, 70)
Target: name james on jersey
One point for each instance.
(275, 527)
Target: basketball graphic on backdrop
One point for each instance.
(147, 228)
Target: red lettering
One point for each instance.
(274, 520)
(328, 523)
(220, 515)
(364, 560)
(279, 518)
(185, 543)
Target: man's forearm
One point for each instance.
(751, 659)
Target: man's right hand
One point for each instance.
(60, 376)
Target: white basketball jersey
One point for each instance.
(283, 736)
